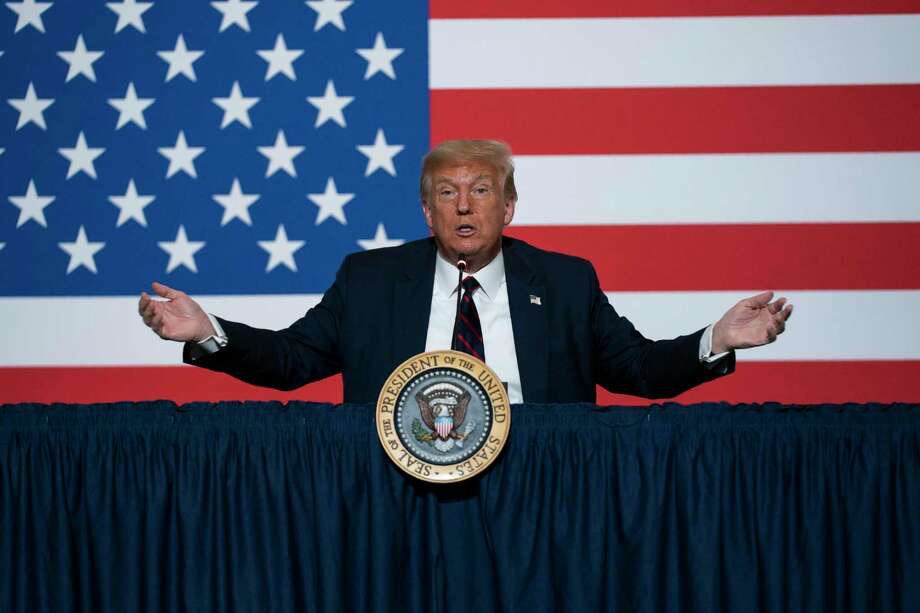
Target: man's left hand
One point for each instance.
(752, 322)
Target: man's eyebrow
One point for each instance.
(444, 179)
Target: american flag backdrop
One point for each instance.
(696, 152)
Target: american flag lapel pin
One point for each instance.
(535, 300)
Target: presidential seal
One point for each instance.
(443, 416)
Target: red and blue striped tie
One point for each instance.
(468, 330)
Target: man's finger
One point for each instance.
(778, 319)
(760, 300)
(142, 304)
(777, 305)
(783, 315)
(164, 291)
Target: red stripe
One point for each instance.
(803, 383)
(471, 327)
(470, 9)
(744, 256)
(113, 384)
(471, 349)
(684, 120)
(791, 382)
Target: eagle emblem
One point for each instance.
(443, 410)
(443, 416)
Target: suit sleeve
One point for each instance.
(306, 351)
(629, 363)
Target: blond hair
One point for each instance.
(452, 152)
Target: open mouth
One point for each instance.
(465, 230)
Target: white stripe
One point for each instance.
(762, 188)
(664, 52)
(826, 325)
(108, 331)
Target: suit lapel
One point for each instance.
(527, 299)
(413, 301)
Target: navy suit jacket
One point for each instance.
(376, 314)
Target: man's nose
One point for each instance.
(463, 202)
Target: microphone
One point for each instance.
(461, 266)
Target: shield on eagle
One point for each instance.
(443, 409)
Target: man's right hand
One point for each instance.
(178, 318)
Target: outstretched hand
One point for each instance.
(178, 318)
(752, 322)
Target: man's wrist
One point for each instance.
(718, 344)
(215, 341)
(708, 355)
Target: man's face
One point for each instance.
(467, 211)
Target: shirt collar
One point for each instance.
(491, 277)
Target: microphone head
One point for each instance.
(461, 261)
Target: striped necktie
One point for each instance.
(467, 329)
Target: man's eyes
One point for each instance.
(481, 190)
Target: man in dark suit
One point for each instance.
(547, 327)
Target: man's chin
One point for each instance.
(474, 251)
(478, 256)
(471, 249)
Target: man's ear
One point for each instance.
(426, 210)
(509, 209)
